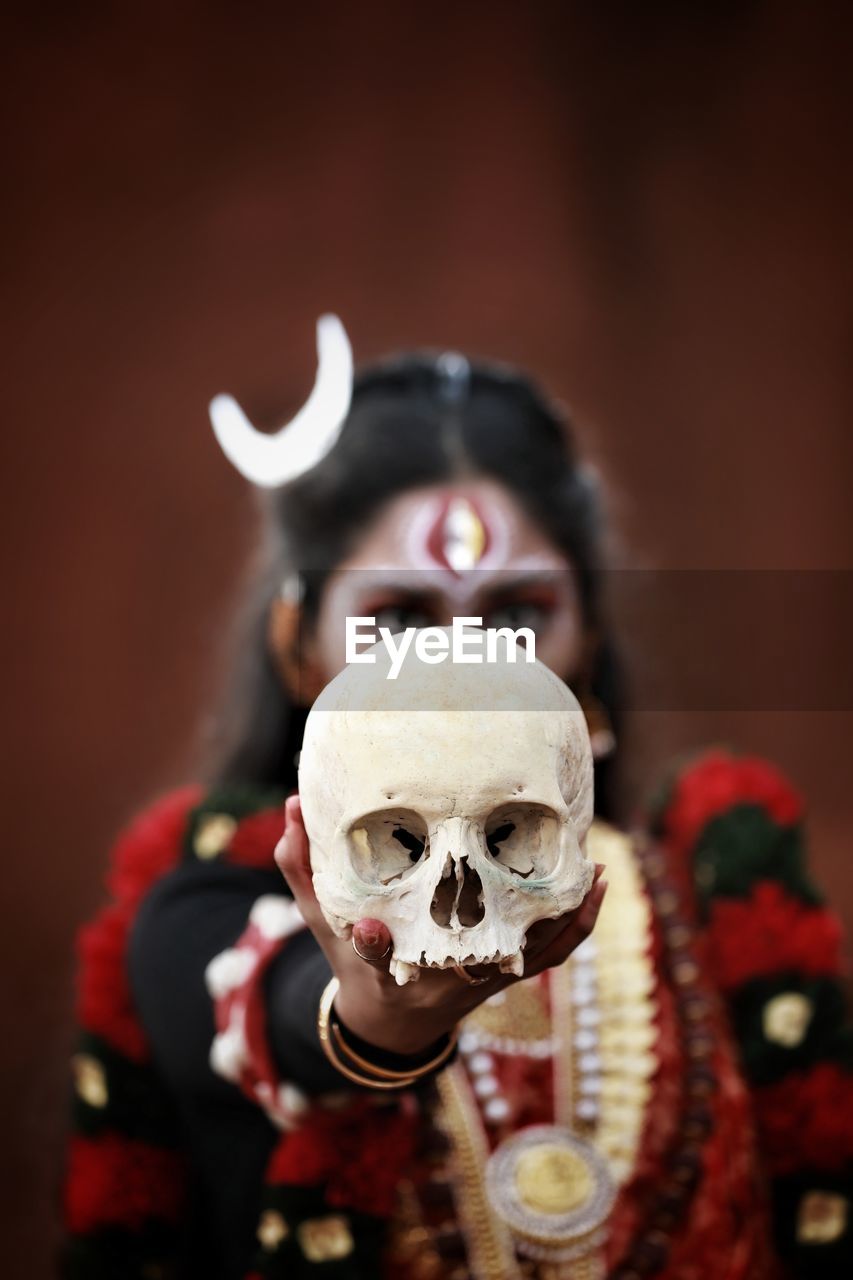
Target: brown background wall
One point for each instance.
(648, 206)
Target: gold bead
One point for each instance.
(685, 972)
(325, 1239)
(90, 1080)
(786, 1019)
(822, 1217)
(213, 835)
(272, 1229)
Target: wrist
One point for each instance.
(382, 1026)
(368, 1053)
(379, 1070)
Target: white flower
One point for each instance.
(292, 1100)
(228, 970)
(275, 916)
(229, 1052)
(286, 1108)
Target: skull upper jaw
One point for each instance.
(510, 907)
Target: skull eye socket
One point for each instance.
(497, 837)
(523, 839)
(409, 841)
(385, 847)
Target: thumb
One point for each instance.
(372, 941)
(294, 862)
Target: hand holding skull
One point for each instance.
(446, 814)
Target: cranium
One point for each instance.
(451, 803)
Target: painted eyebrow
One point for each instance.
(433, 595)
(531, 578)
(407, 593)
(523, 578)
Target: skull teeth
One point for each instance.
(513, 964)
(492, 957)
(402, 972)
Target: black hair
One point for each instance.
(414, 420)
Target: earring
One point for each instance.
(297, 667)
(292, 589)
(601, 736)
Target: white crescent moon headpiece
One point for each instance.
(272, 460)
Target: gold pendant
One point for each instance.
(553, 1191)
(539, 1204)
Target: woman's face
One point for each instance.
(465, 549)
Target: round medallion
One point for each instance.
(552, 1189)
(549, 1178)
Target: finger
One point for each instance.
(484, 977)
(584, 922)
(292, 856)
(543, 933)
(571, 936)
(291, 852)
(371, 942)
(559, 950)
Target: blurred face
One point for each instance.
(463, 549)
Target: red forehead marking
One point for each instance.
(459, 536)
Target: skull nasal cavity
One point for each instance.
(458, 899)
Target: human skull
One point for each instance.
(451, 803)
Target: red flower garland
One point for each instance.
(718, 782)
(113, 1181)
(356, 1151)
(806, 1120)
(256, 837)
(359, 1153)
(768, 932)
(104, 1001)
(240, 1008)
(149, 847)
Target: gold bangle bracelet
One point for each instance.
(323, 1018)
(385, 1073)
(332, 1041)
